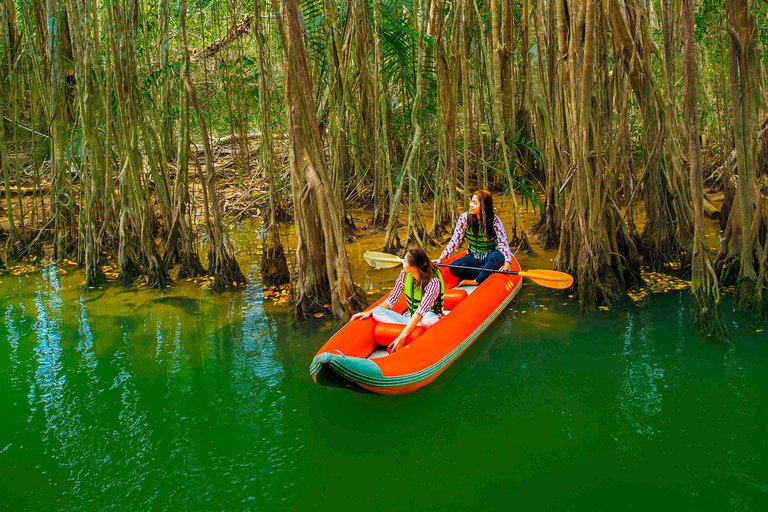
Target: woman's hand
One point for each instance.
(362, 315)
(505, 266)
(397, 344)
(437, 260)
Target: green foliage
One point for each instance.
(519, 145)
(73, 151)
(527, 193)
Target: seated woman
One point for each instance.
(486, 240)
(423, 285)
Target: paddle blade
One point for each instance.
(381, 259)
(549, 278)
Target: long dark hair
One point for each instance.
(484, 217)
(417, 258)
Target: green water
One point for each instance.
(118, 399)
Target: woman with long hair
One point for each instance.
(423, 285)
(487, 243)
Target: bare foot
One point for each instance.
(468, 282)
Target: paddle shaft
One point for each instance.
(512, 272)
(546, 278)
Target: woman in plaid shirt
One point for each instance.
(487, 243)
(423, 285)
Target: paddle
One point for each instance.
(547, 278)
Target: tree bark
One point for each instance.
(704, 284)
(323, 274)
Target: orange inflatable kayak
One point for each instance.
(357, 352)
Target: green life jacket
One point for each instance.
(478, 244)
(413, 294)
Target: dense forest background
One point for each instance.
(609, 117)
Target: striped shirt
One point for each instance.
(428, 297)
(502, 245)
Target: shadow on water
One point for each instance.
(189, 305)
(329, 378)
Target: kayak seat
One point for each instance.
(385, 333)
(452, 297)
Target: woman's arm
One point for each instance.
(502, 244)
(397, 344)
(394, 296)
(397, 291)
(458, 236)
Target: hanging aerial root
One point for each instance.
(747, 295)
(353, 301)
(395, 245)
(708, 317)
(189, 265)
(129, 271)
(274, 268)
(155, 275)
(225, 271)
(520, 243)
(312, 301)
(94, 276)
(547, 230)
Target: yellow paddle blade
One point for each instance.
(549, 278)
(381, 259)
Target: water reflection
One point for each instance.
(131, 395)
(640, 397)
(184, 399)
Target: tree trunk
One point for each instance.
(180, 244)
(748, 245)
(594, 244)
(444, 209)
(323, 272)
(222, 264)
(382, 190)
(668, 226)
(704, 285)
(274, 268)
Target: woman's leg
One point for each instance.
(429, 319)
(382, 314)
(494, 261)
(466, 261)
